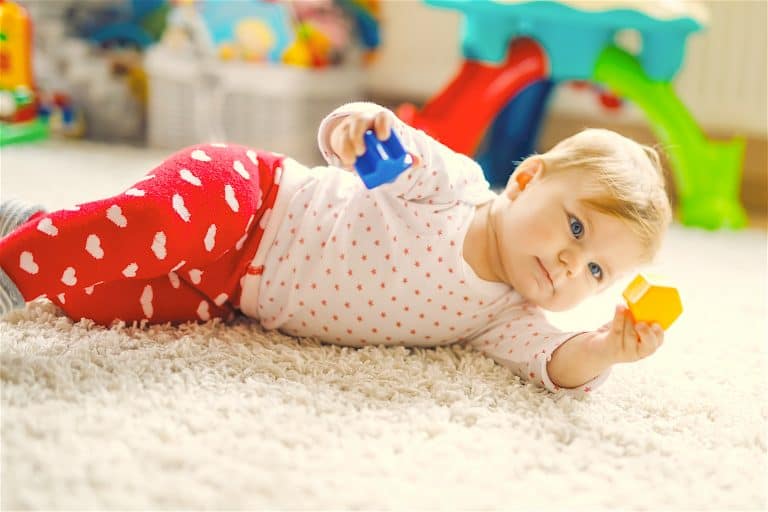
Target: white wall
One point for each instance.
(723, 80)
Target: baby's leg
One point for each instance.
(184, 215)
(14, 213)
(157, 300)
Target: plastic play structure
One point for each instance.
(523, 48)
(19, 120)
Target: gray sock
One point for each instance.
(14, 213)
(10, 296)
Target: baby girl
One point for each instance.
(432, 258)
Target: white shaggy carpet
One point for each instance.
(229, 417)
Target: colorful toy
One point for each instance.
(514, 132)
(651, 300)
(558, 42)
(19, 120)
(298, 54)
(253, 41)
(255, 29)
(63, 117)
(459, 115)
(312, 48)
(366, 14)
(383, 161)
(707, 173)
(117, 23)
(136, 23)
(323, 28)
(186, 31)
(304, 33)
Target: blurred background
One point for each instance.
(162, 74)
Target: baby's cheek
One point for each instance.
(543, 235)
(571, 295)
(608, 282)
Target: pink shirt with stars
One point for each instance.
(353, 266)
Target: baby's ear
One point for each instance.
(529, 169)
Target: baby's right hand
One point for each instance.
(347, 137)
(624, 341)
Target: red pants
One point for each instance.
(171, 248)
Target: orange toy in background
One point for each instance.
(18, 102)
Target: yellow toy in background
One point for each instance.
(298, 54)
(650, 300)
(19, 120)
(312, 48)
(254, 39)
(15, 47)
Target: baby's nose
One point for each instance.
(574, 263)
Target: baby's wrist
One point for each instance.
(599, 343)
(578, 360)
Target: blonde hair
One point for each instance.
(627, 180)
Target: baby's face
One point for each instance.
(555, 250)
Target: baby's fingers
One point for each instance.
(357, 128)
(382, 125)
(615, 334)
(617, 324)
(343, 144)
(649, 338)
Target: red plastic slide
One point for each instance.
(459, 115)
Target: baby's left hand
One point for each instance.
(625, 341)
(347, 137)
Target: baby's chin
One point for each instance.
(533, 294)
(549, 305)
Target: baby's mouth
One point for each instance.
(546, 274)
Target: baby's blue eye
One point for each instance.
(577, 228)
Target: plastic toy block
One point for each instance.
(651, 300)
(383, 161)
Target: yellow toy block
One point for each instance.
(650, 300)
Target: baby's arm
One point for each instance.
(588, 354)
(439, 174)
(523, 340)
(577, 361)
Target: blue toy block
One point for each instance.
(383, 161)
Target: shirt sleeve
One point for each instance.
(523, 340)
(443, 177)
